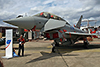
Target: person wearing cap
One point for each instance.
(21, 45)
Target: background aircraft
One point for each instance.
(53, 27)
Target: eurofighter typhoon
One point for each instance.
(53, 27)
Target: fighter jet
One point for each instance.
(53, 27)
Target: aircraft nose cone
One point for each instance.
(24, 22)
(12, 21)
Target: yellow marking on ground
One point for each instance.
(37, 51)
(28, 52)
(18, 46)
(2, 51)
(49, 46)
(60, 50)
(68, 51)
(90, 50)
(78, 51)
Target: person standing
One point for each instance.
(21, 45)
(53, 47)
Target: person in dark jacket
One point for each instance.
(53, 47)
(21, 45)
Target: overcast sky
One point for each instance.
(70, 10)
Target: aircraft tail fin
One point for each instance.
(79, 22)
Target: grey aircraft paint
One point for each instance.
(53, 27)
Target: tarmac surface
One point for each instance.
(38, 54)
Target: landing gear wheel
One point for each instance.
(86, 45)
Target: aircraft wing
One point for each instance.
(80, 34)
(53, 24)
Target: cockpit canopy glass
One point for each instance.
(50, 16)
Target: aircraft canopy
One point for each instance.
(49, 15)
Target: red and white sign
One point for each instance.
(9, 42)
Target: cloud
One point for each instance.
(70, 10)
(48, 1)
